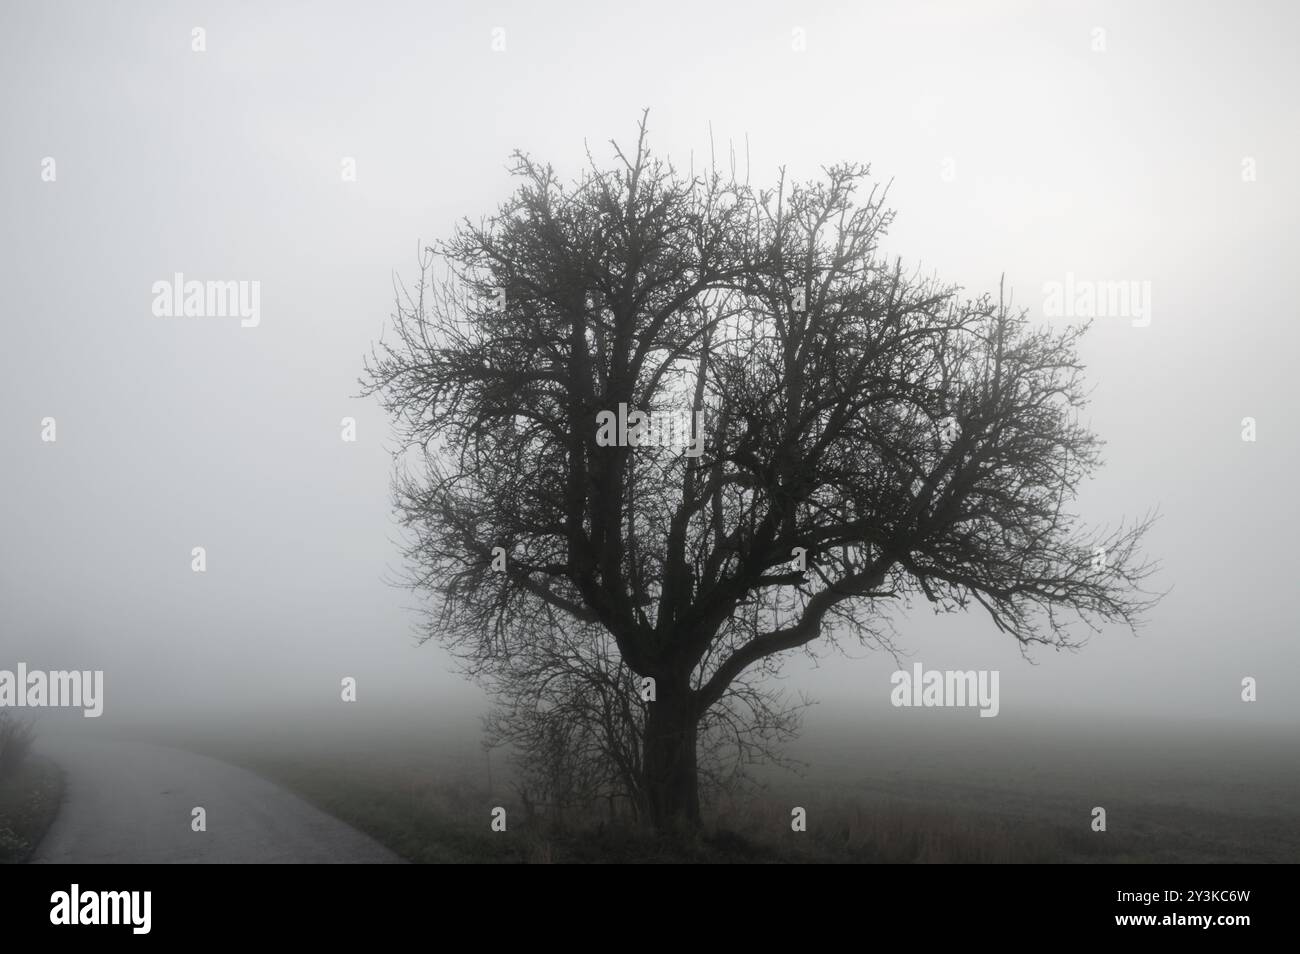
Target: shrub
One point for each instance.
(15, 742)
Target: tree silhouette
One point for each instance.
(869, 437)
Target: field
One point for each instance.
(927, 791)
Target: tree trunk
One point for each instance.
(671, 776)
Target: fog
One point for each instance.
(1013, 147)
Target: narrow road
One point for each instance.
(131, 802)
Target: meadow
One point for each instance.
(929, 790)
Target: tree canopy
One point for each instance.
(870, 437)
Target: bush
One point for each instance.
(15, 742)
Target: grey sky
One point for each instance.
(225, 165)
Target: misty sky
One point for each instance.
(225, 165)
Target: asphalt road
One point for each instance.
(131, 802)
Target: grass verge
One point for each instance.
(29, 800)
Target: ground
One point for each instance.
(938, 792)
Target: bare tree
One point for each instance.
(870, 437)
